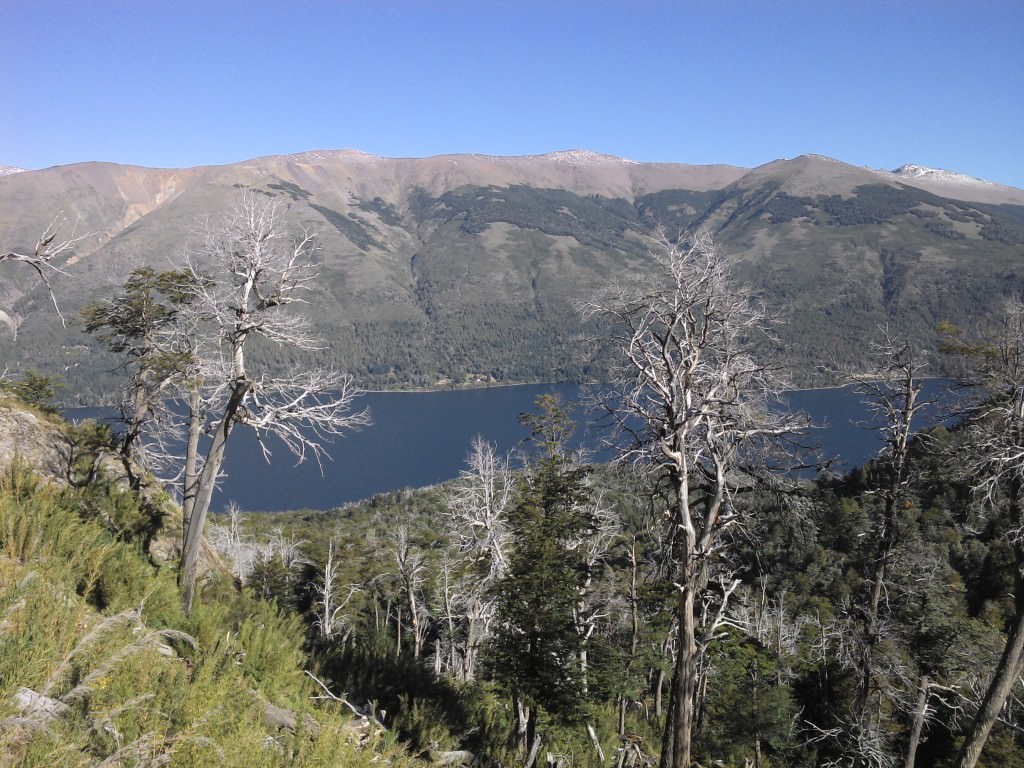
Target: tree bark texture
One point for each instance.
(918, 724)
(1007, 673)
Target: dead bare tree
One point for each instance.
(891, 390)
(331, 603)
(477, 507)
(693, 405)
(411, 575)
(42, 258)
(993, 463)
(243, 551)
(449, 647)
(595, 547)
(593, 605)
(249, 275)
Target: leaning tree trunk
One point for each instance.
(190, 484)
(130, 448)
(659, 688)
(1006, 676)
(918, 725)
(204, 495)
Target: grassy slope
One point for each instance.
(89, 621)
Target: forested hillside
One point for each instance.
(392, 602)
(518, 612)
(468, 269)
(702, 600)
(99, 665)
(403, 598)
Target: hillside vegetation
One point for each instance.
(100, 666)
(466, 269)
(783, 679)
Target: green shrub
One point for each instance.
(36, 390)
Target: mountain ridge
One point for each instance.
(466, 268)
(910, 173)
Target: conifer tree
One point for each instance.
(139, 324)
(535, 649)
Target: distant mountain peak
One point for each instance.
(7, 170)
(921, 172)
(321, 155)
(583, 157)
(816, 157)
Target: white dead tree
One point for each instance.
(477, 522)
(694, 406)
(332, 597)
(449, 594)
(478, 506)
(411, 575)
(249, 275)
(993, 462)
(594, 601)
(891, 390)
(592, 605)
(241, 550)
(42, 259)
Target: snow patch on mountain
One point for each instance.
(584, 157)
(322, 155)
(957, 186)
(910, 171)
(8, 170)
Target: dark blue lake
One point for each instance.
(422, 438)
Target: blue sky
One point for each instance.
(181, 83)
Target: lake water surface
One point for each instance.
(422, 438)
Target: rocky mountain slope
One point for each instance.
(467, 267)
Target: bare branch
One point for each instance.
(48, 248)
(477, 508)
(330, 605)
(993, 464)
(696, 407)
(247, 274)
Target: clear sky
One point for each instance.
(174, 83)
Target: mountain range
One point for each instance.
(467, 268)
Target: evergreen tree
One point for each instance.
(35, 389)
(535, 649)
(141, 325)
